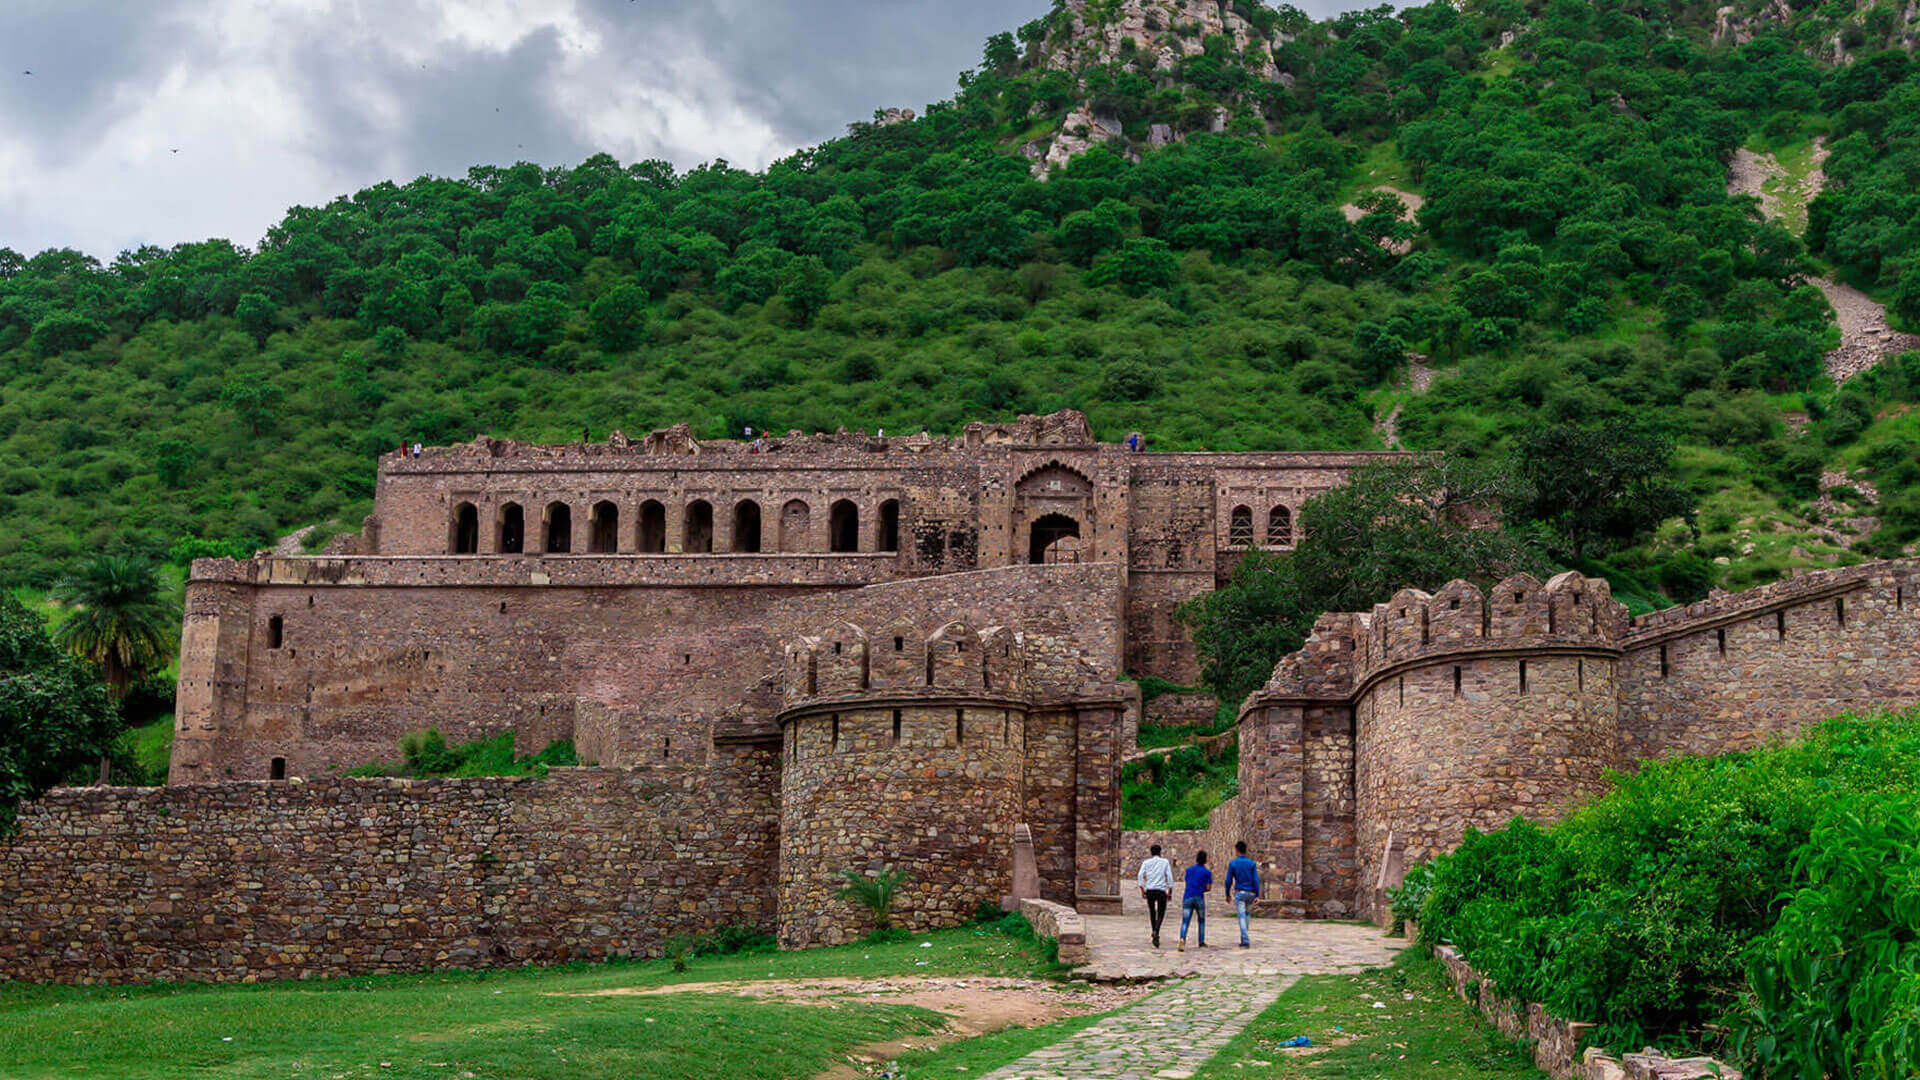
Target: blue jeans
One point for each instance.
(1243, 910)
(1193, 907)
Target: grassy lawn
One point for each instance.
(981, 1055)
(517, 1025)
(1421, 1031)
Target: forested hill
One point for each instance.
(1211, 259)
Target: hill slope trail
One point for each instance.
(1865, 336)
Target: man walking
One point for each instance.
(1243, 885)
(1193, 904)
(1156, 884)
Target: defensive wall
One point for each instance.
(1392, 731)
(244, 881)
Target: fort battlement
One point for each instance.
(1461, 709)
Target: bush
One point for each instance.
(427, 753)
(1639, 910)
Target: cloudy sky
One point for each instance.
(158, 121)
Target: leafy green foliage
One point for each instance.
(55, 715)
(1836, 982)
(123, 620)
(1577, 262)
(1178, 790)
(874, 891)
(427, 753)
(1642, 910)
(1392, 526)
(1597, 489)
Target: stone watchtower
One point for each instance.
(1394, 730)
(906, 749)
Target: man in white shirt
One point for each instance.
(1155, 879)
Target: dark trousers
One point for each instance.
(1156, 909)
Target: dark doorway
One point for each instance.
(890, 525)
(559, 529)
(466, 530)
(513, 529)
(277, 769)
(746, 527)
(843, 527)
(605, 538)
(653, 528)
(699, 528)
(1046, 531)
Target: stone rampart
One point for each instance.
(248, 881)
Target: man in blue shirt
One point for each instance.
(1194, 903)
(1243, 885)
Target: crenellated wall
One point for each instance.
(1463, 710)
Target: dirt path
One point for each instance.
(977, 1005)
(1865, 336)
(1414, 203)
(1419, 378)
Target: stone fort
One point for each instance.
(795, 656)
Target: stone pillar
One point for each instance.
(1097, 811)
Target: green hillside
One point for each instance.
(1577, 260)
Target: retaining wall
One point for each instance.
(247, 881)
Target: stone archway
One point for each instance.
(1049, 530)
(1059, 497)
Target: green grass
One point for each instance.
(1795, 156)
(152, 748)
(518, 1025)
(981, 1055)
(1423, 1031)
(429, 754)
(1177, 790)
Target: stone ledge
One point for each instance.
(1557, 1043)
(1062, 924)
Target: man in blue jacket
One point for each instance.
(1194, 902)
(1243, 885)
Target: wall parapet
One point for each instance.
(842, 569)
(1721, 607)
(1062, 924)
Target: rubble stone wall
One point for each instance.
(249, 881)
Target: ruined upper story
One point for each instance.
(1034, 490)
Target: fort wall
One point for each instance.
(251, 881)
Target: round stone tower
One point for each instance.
(1472, 709)
(903, 749)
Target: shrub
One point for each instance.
(875, 892)
(1638, 911)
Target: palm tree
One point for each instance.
(122, 621)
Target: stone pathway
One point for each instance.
(1163, 1037)
(1121, 949)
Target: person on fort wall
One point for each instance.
(1193, 904)
(1155, 879)
(1243, 885)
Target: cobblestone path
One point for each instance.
(1163, 1037)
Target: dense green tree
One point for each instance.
(56, 716)
(1597, 489)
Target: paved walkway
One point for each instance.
(1163, 1037)
(1122, 948)
(1172, 1033)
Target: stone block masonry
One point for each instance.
(240, 882)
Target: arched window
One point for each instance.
(604, 538)
(890, 525)
(1240, 531)
(513, 529)
(699, 534)
(796, 520)
(466, 530)
(559, 528)
(653, 528)
(843, 527)
(746, 526)
(1279, 527)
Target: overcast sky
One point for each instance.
(159, 121)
